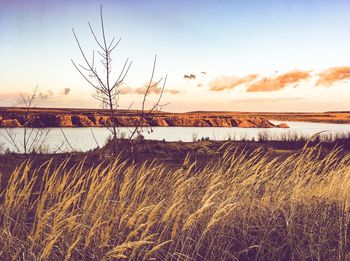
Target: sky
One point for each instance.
(219, 55)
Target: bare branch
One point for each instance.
(103, 30)
(87, 62)
(136, 130)
(84, 68)
(122, 75)
(11, 138)
(67, 141)
(160, 95)
(117, 43)
(149, 85)
(93, 135)
(93, 33)
(59, 148)
(93, 85)
(131, 105)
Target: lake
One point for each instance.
(82, 139)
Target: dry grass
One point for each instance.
(246, 206)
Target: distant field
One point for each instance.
(320, 117)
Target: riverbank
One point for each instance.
(70, 117)
(172, 154)
(48, 118)
(336, 117)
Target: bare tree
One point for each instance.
(156, 106)
(100, 75)
(33, 139)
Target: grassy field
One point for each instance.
(244, 205)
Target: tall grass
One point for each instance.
(245, 206)
(324, 136)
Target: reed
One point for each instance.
(244, 207)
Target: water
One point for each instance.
(81, 139)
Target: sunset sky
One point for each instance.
(245, 55)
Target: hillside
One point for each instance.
(51, 117)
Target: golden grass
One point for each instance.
(245, 206)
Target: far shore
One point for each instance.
(336, 117)
(84, 117)
(49, 118)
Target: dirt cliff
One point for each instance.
(57, 118)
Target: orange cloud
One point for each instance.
(45, 95)
(332, 75)
(172, 91)
(229, 82)
(279, 82)
(125, 90)
(155, 89)
(152, 90)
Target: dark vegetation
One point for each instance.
(173, 154)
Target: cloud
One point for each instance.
(229, 82)
(125, 90)
(172, 91)
(190, 76)
(332, 75)
(141, 90)
(66, 91)
(45, 95)
(154, 89)
(279, 82)
(15, 99)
